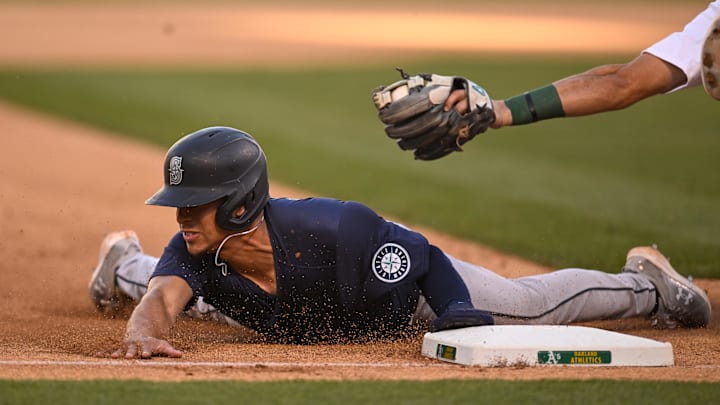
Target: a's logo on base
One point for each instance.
(391, 263)
(446, 352)
(575, 357)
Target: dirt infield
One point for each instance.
(66, 185)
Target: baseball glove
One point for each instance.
(413, 114)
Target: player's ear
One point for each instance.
(239, 211)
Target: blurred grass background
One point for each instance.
(568, 192)
(573, 192)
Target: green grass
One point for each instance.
(358, 392)
(567, 193)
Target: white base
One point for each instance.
(514, 345)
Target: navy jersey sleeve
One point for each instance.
(376, 256)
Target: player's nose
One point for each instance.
(183, 214)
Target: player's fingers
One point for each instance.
(146, 350)
(131, 351)
(117, 353)
(167, 349)
(155, 347)
(456, 97)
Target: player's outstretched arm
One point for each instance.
(615, 87)
(153, 318)
(601, 89)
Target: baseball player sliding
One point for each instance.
(323, 270)
(429, 114)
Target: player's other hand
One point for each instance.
(145, 348)
(458, 100)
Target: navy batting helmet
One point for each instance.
(215, 163)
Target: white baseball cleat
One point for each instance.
(114, 248)
(679, 301)
(711, 61)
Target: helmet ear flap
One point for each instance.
(225, 216)
(253, 201)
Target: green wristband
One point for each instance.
(539, 104)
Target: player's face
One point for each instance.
(199, 229)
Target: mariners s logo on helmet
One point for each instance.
(391, 263)
(175, 169)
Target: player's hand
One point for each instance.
(458, 100)
(146, 347)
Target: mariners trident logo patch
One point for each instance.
(176, 171)
(391, 263)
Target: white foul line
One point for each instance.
(239, 364)
(150, 363)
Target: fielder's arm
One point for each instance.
(601, 89)
(614, 87)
